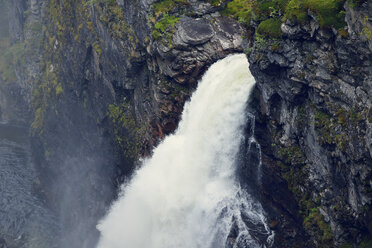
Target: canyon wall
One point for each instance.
(100, 83)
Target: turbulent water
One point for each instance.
(24, 220)
(186, 195)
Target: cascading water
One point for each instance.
(186, 195)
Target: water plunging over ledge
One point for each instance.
(187, 194)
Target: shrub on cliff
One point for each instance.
(329, 13)
(270, 28)
(240, 10)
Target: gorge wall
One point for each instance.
(101, 82)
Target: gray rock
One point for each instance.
(278, 59)
(194, 31)
(321, 73)
(291, 31)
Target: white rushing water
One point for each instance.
(186, 194)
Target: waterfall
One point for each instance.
(187, 195)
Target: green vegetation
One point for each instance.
(315, 221)
(38, 122)
(292, 155)
(325, 125)
(59, 89)
(296, 11)
(58, 29)
(293, 170)
(163, 22)
(333, 128)
(15, 56)
(215, 2)
(270, 13)
(112, 15)
(165, 6)
(366, 31)
(330, 13)
(164, 27)
(126, 130)
(270, 28)
(240, 10)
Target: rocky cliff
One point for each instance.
(101, 82)
(314, 96)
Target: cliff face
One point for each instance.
(101, 82)
(314, 98)
(103, 92)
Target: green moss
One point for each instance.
(341, 115)
(59, 90)
(269, 8)
(330, 13)
(292, 154)
(270, 28)
(294, 170)
(296, 11)
(301, 118)
(215, 2)
(333, 128)
(164, 28)
(355, 116)
(129, 135)
(97, 48)
(315, 221)
(112, 16)
(165, 6)
(325, 127)
(365, 30)
(165, 23)
(38, 122)
(240, 10)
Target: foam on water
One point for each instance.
(186, 194)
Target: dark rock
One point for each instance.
(316, 103)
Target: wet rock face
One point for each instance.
(195, 44)
(314, 96)
(312, 103)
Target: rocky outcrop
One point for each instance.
(314, 97)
